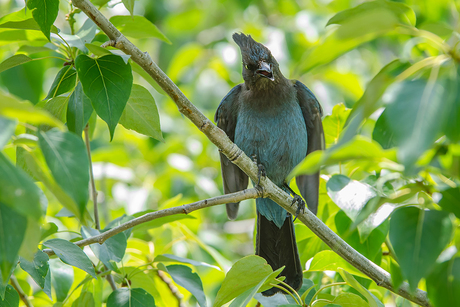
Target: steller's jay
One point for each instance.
(278, 122)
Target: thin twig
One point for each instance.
(91, 177)
(14, 282)
(237, 156)
(184, 209)
(174, 290)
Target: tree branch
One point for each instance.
(14, 282)
(237, 156)
(184, 209)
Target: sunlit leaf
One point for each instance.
(333, 124)
(330, 261)
(24, 111)
(141, 113)
(129, 5)
(137, 27)
(84, 35)
(174, 258)
(56, 106)
(7, 127)
(418, 238)
(371, 299)
(244, 274)
(183, 58)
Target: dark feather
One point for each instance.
(279, 248)
(233, 177)
(312, 112)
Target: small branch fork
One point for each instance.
(237, 156)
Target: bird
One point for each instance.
(276, 121)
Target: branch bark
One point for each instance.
(237, 156)
(184, 209)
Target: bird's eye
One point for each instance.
(247, 67)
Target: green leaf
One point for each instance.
(129, 5)
(97, 50)
(418, 237)
(245, 274)
(184, 277)
(112, 250)
(369, 246)
(85, 299)
(47, 288)
(136, 297)
(79, 110)
(404, 12)
(65, 154)
(137, 27)
(367, 153)
(7, 127)
(396, 275)
(371, 299)
(370, 101)
(347, 299)
(350, 195)
(450, 201)
(329, 261)
(45, 13)
(411, 120)
(82, 37)
(182, 59)
(12, 230)
(350, 34)
(24, 111)
(38, 268)
(174, 258)
(47, 230)
(243, 299)
(62, 277)
(141, 113)
(71, 254)
(18, 191)
(159, 221)
(107, 81)
(28, 49)
(56, 106)
(13, 61)
(333, 124)
(11, 298)
(63, 82)
(443, 284)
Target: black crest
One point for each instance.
(252, 51)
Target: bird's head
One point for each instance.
(259, 66)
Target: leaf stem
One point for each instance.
(91, 177)
(14, 282)
(287, 291)
(326, 286)
(290, 288)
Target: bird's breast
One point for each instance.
(276, 135)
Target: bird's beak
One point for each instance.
(265, 70)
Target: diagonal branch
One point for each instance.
(237, 156)
(184, 209)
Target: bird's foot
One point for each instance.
(300, 205)
(261, 169)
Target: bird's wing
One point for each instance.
(234, 178)
(312, 112)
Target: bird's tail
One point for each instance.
(279, 248)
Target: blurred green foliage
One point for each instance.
(386, 74)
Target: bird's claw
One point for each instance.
(300, 205)
(261, 169)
